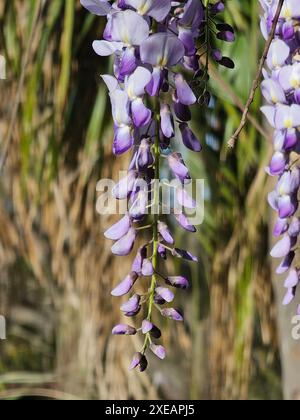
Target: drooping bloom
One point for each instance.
(156, 63)
(281, 92)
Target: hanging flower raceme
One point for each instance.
(153, 43)
(281, 90)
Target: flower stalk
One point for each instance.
(281, 90)
(155, 48)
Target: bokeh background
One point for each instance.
(56, 269)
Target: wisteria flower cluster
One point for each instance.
(281, 89)
(155, 43)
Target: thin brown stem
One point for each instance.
(232, 141)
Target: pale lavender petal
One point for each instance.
(292, 279)
(111, 82)
(184, 93)
(294, 229)
(125, 245)
(147, 268)
(106, 48)
(123, 140)
(281, 226)
(97, 7)
(129, 27)
(273, 92)
(132, 307)
(157, 9)
(184, 199)
(138, 261)
(136, 361)
(126, 285)
(162, 50)
(146, 326)
(289, 297)
(282, 248)
(136, 83)
(278, 54)
(122, 190)
(141, 115)
(287, 117)
(118, 230)
(269, 113)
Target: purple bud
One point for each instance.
(162, 252)
(286, 263)
(178, 282)
(165, 233)
(227, 62)
(281, 226)
(158, 300)
(189, 139)
(123, 329)
(148, 327)
(184, 93)
(139, 360)
(178, 167)
(167, 121)
(182, 112)
(165, 294)
(288, 31)
(173, 314)
(181, 253)
(132, 307)
(145, 156)
(138, 261)
(225, 27)
(227, 36)
(184, 223)
(159, 351)
(217, 55)
(136, 361)
(147, 268)
(217, 8)
(126, 285)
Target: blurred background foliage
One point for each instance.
(56, 269)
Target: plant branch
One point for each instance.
(231, 143)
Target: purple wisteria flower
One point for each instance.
(281, 90)
(156, 47)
